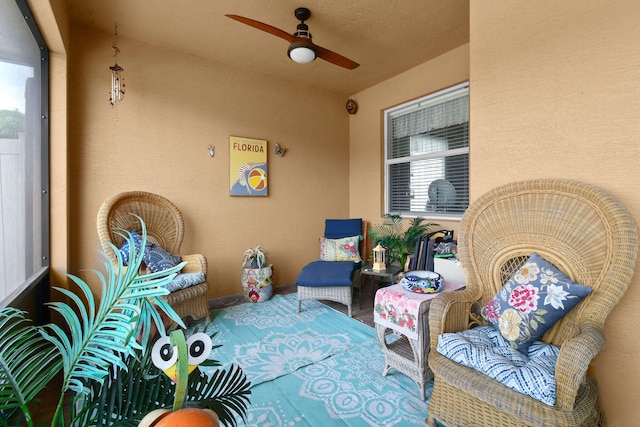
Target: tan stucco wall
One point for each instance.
(175, 106)
(555, 92)
(366, 137)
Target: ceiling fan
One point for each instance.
(301, 48)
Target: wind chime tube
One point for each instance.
(117, 84)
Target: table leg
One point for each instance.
(360, 291)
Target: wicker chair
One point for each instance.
(584, 232)
(165, 227)
(332, 280)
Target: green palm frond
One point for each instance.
(99, 338)
(105, 368)
(27, 362)
(226, 393)
(128, 395)
(398, 242)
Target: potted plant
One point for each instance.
(398, 242)
(103, 357)
(256, 276)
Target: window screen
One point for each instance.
(23, 151)
(427, 155)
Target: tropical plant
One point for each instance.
(398, 242)
(256, 257)
(99, 354)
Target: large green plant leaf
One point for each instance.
(399, 242)
(128, 395)
(98, 338)
(27, 363)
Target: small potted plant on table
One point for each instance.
(399, 242)
(256, 276)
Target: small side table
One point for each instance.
(390, 274)
(407, 314)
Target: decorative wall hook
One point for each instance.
(212, 150)
(280, 151)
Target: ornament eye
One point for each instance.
(199, 346)
(163, 354)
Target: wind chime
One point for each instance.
(117, 76)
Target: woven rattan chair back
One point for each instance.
(165, 227)
(583, 231)
(579, 228)
(164, 222)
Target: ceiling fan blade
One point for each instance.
(264, 27)
(335, 58)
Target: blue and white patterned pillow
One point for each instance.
(157, 259)
(184, 281)
(532, 301)
(124, 249)
(485, 350)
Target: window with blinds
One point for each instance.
(427, 155)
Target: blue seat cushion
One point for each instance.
(485, 350)
(327, 273)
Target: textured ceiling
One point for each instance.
(386, 37)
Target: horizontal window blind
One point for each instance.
(427, 155)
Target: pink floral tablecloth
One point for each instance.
(398, 309)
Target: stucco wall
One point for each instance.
(555, 92)
(175, 106)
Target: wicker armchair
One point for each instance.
(583, 231)
(165, 227)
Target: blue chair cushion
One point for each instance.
(339, 228)
(327, 273)
(485, 350)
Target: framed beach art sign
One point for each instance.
(247, 166)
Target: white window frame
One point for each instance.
(457, 91)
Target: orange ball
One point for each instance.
(189, 417)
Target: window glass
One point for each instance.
(23, 141)
(427, 155)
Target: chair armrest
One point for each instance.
(573, 362)
(450, 312)
(196, 263)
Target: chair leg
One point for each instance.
(349, 310)
(298, 310)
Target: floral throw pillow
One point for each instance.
(345, 249)
(532, 301)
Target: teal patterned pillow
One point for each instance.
(532, 301)
(345, 249)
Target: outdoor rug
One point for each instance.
(313, 368)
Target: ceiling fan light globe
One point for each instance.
(302, 54)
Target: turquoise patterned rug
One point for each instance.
(313, 368)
